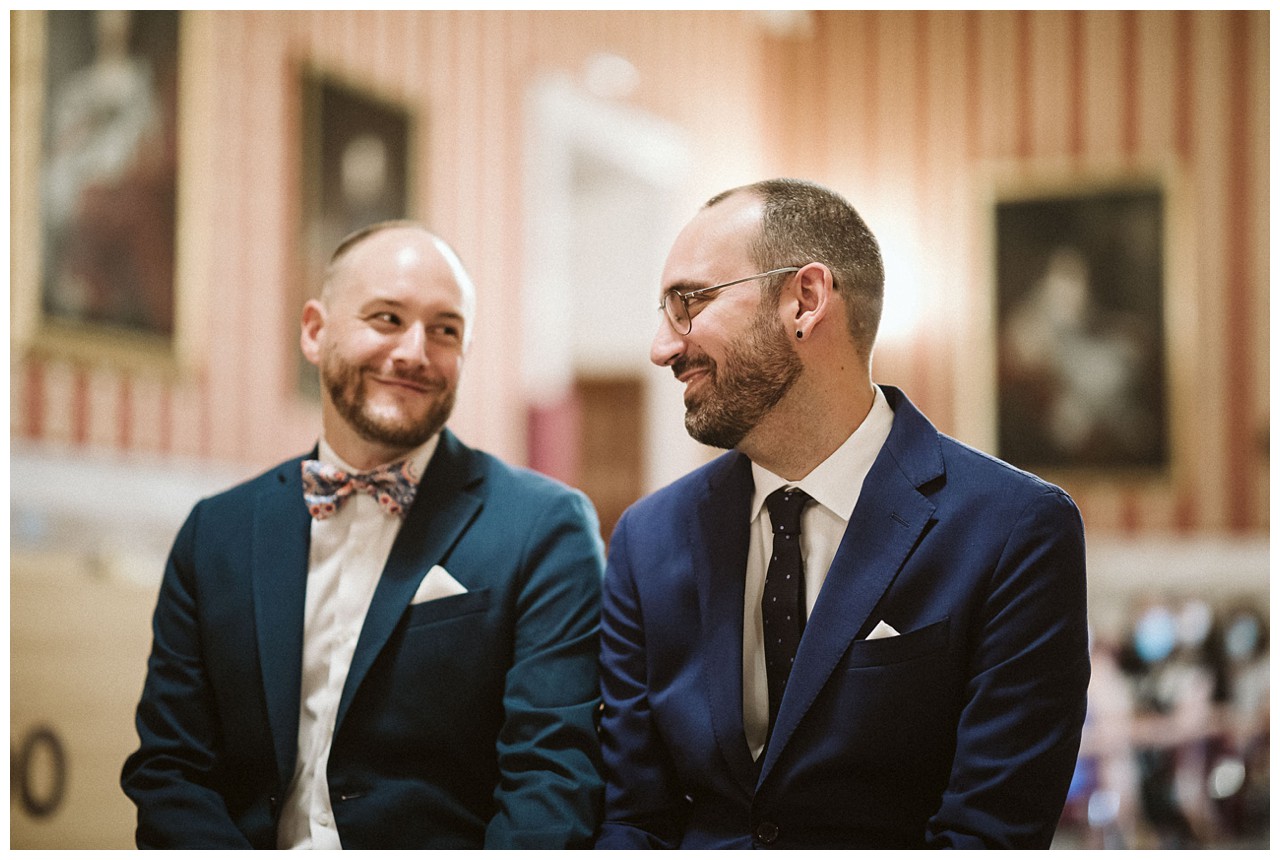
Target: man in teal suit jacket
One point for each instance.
(935, 691)
(348, 680)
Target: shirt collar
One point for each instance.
(836, 482)
(418, 457)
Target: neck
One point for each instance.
(807, 426)
(358, 452)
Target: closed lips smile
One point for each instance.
(410, 384)
(692, 374)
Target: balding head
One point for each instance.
(391, 237)
(389, 334)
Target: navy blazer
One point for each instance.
(466, 721)
(962, 731)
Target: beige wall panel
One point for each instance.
(1208, 198)
(104, 407)
(1102, 98)
(1156, 85)
(59, 398)
(1001, 77)
(79, 644)
(1051, 75)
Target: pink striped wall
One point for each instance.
(914, 111)
(905, 112)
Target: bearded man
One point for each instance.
(392, 641)
(850, 630)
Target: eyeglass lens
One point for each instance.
(677, 312)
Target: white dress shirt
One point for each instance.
(348, 553)
(834, 485)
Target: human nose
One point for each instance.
(411, 346)
(667, 343)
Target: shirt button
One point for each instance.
(324, 819)
(767, 832)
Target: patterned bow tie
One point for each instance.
(325, 488)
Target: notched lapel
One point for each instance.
(449, 498)
(281, 541)
(720, 539)
(887, 523)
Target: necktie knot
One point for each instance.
(325, 487)
(785, 506)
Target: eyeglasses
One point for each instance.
(676, 304)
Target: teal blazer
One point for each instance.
(465, 722)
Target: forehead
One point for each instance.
(399, 264)
(716, 244)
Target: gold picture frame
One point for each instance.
(1088, 325)
(101, 170)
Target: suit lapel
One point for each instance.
(887, 522)
(720, 538)
(280, 543)
(448, 500)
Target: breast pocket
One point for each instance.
(899, 649)
(454, 606)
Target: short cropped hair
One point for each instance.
(804, 222)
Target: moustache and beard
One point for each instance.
(756, 373)
(346, 385)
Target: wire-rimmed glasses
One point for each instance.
(675, 304)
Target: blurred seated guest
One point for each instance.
(1172, 689)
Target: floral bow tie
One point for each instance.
(325, 488)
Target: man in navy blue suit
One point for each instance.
(391, 642)
(850, 630)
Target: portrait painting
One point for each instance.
(108, 172)
(1080, 309)
(356, 172)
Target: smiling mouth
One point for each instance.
(420, 386)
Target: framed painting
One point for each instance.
(96, 102)
(1081, 341)
(356, 171)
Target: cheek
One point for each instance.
(447, 363)
(364, 351)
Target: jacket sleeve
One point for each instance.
(549, 789)
(171, 776)
(643, 806)
(1024, 705)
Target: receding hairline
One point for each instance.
(359, 237)
(451, 259)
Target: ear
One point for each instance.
(812, 296)
(312, 330)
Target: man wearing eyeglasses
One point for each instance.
(850, 630)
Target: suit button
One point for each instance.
(767, 832)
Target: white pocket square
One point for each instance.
(882, 631)
(435, 585)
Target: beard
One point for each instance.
(756, 373)
(346, 385)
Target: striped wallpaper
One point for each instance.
(919, 116)
(913, 114)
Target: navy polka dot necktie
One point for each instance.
(783, 605)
